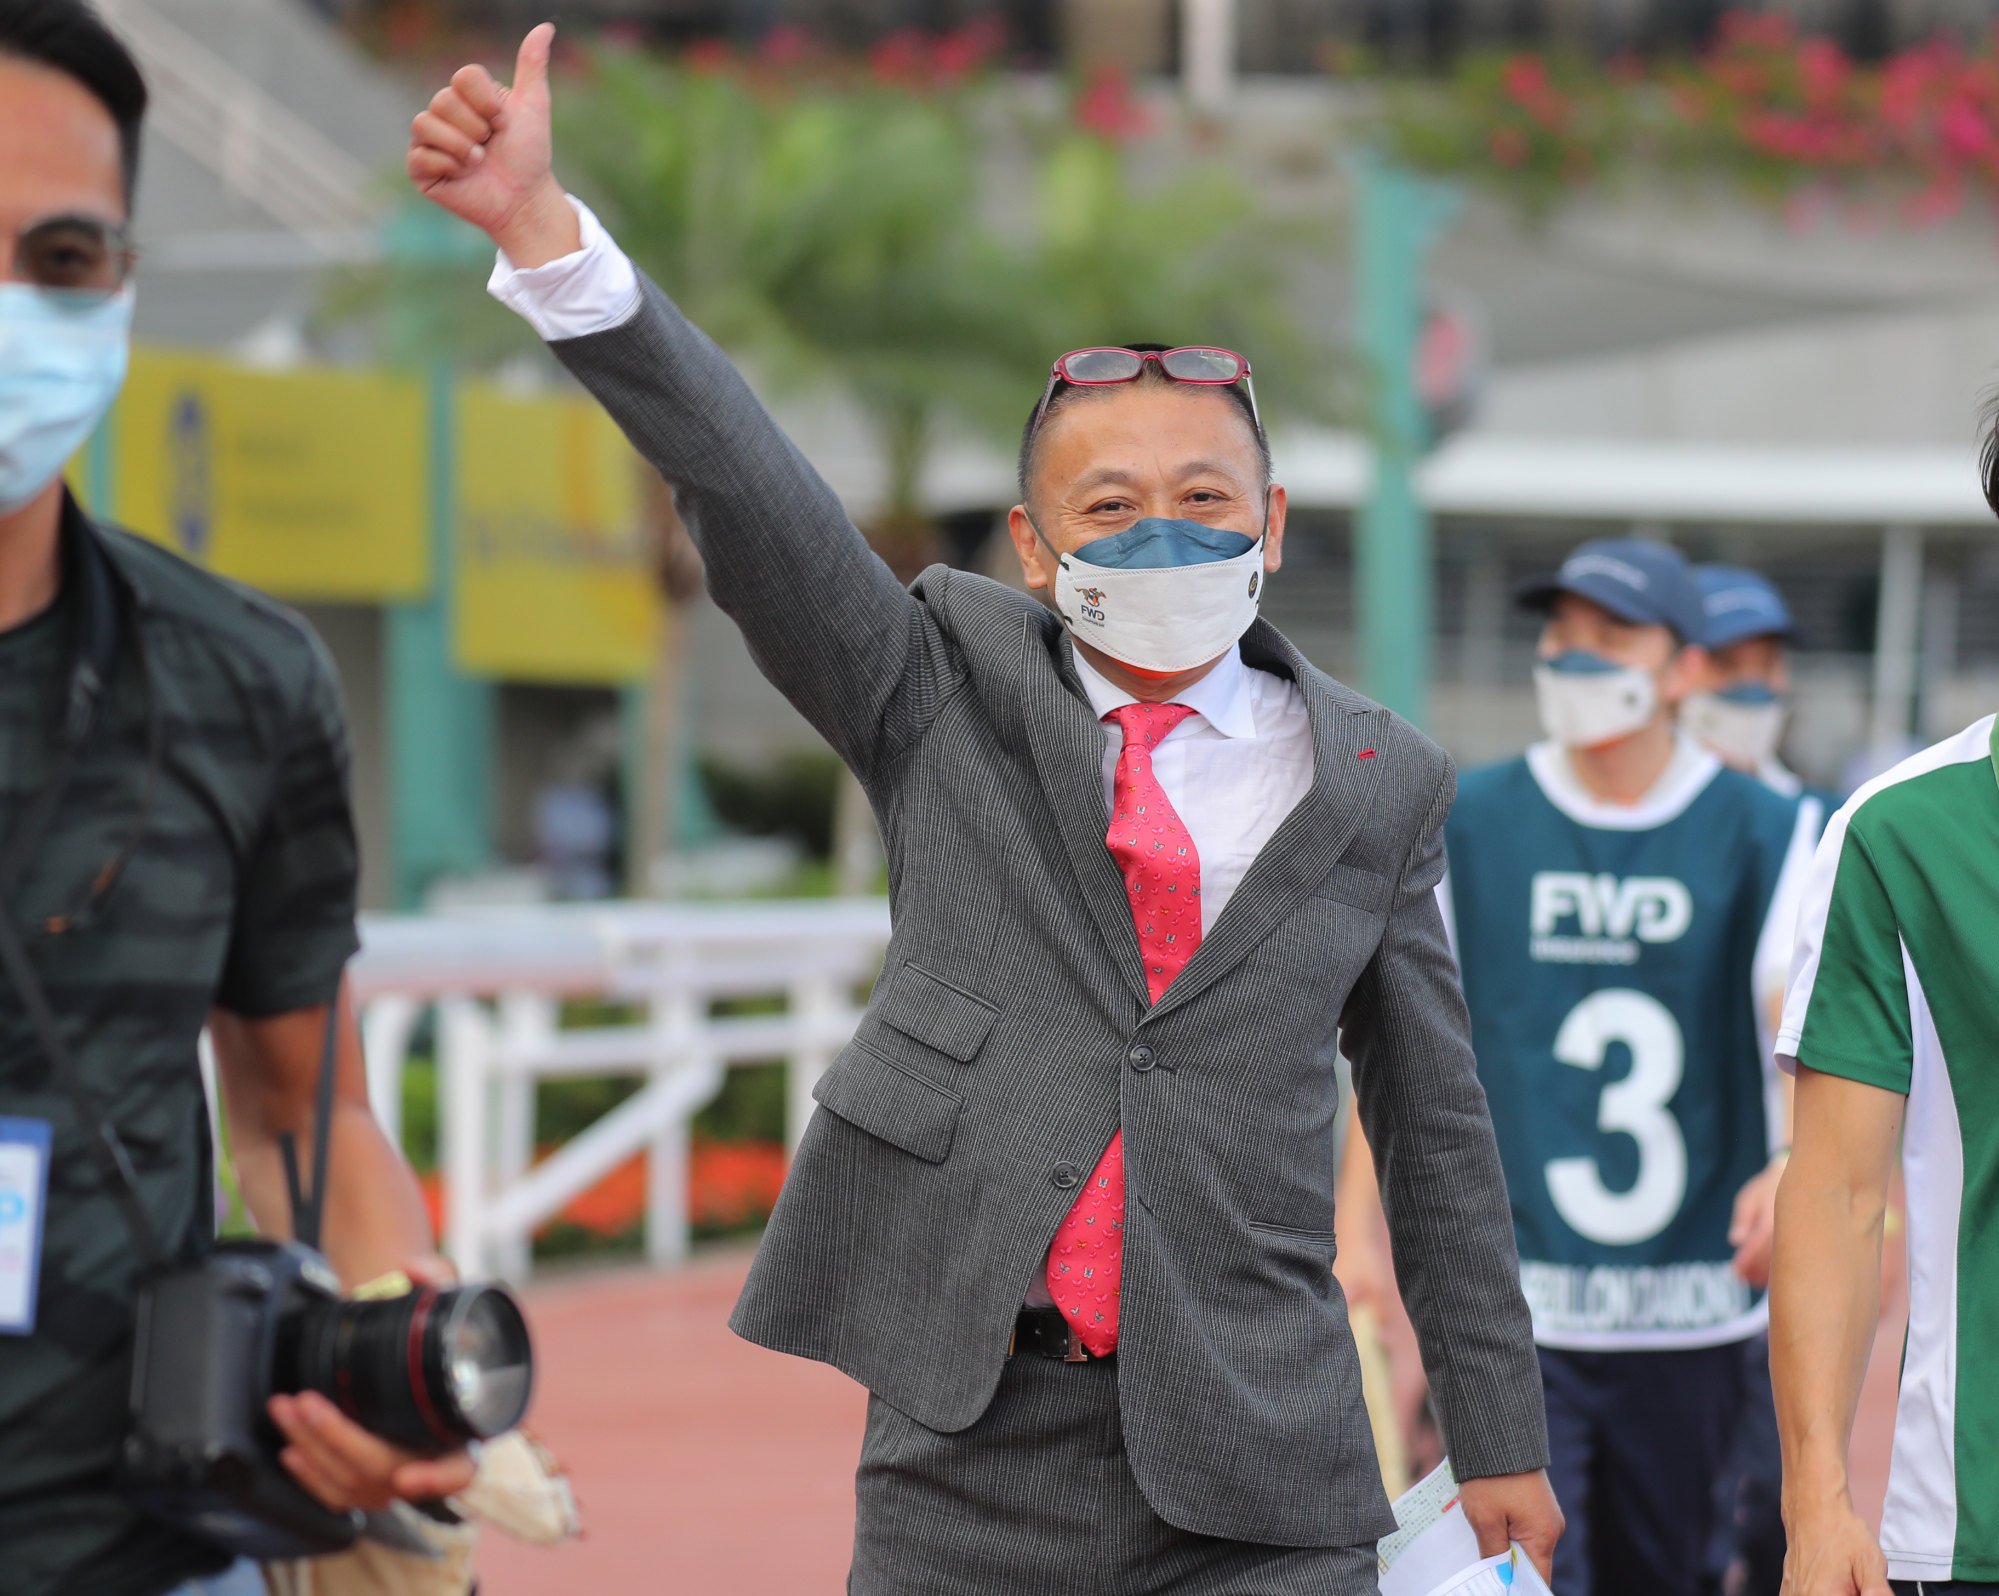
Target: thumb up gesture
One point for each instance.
(483, 152)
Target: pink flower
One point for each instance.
(1939, 202)
(1107, 107)
(1772, 133)
(1509, 146)
(959, 54)
(1965, 131)
(708, 57)
(900, 57)
(1823, 70)
(784, 46)
(1526, 78)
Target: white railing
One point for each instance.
(495, 981)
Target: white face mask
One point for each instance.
(1162, 595)
(60, 367)
(1585, 701)
(1742, 724)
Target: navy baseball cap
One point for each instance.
(1637, 580)
(1740, 604)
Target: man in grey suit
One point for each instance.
(1067, 1211)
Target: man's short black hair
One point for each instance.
(1065, 393)
(68, 36)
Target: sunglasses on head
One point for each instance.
(82, 258)
(1200, 364)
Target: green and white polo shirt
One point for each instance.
(1896, 984)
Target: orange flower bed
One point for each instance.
(729, 1185)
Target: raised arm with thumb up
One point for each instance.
(483, 152)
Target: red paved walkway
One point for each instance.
(707, 1465)
(704, 1464)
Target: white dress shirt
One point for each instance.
(1232, 770)
(592, 289)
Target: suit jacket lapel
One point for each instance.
(1310, 840)
(1068, 746)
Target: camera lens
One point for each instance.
(428, 1371)
(488, 1368)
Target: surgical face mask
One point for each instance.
(1742, 724)
(1161, 595)
(61, 365)
(1586, 700)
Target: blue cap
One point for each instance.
(1740, 604)
(1636, 579)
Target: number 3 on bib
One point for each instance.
(1636, 1106)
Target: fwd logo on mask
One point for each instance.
(1093, 603)
(1600, 919)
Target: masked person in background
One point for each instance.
(1065, 1208)
(1621, 907)
(1739, 713)
(1741, 706)
(176, 850)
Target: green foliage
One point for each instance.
(836, 231)
(825, 232)
(420, 1119)
(750, 1107)
(793, 797)
(833, 227)
(1192, 260)
(425, 301)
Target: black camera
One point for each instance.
(428, 1371)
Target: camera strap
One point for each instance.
(96, 647)
(309, 1208)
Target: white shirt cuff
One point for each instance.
(590, 290)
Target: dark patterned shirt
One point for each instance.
(239, 894)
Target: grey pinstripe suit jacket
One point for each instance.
(1002, 1045)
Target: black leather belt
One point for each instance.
(1045, 1333)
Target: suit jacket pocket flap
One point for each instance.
(935, 1012)
(882, 1098)
(1357, 888)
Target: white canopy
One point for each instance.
(1567, 479)
(1534, 478)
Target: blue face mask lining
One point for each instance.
(1580, 662)
(1156, 543)
(1750, 695)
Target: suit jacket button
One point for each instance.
(1066, 1175)
(1143, 1058)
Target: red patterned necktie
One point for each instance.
(1163, 874)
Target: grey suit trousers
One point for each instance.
(1038, 1497)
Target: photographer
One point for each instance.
(176, 850)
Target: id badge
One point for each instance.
(24, 1191)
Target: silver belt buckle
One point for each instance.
(1075, 1354)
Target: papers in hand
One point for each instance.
(1434, 1551)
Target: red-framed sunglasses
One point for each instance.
(1199, 364)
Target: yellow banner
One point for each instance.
(307, 484)
(552, 580)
